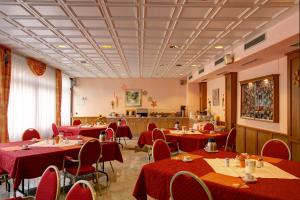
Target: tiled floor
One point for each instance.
(121, 182)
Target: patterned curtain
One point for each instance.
(37, 67)
(58, 78)
(5, 74)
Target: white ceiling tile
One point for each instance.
(103, 40)
(42, 32)
(268, 12)
(13, 31)
(71, 32)
(128, 33)
(218, 24)
(61, 23)
(123, 11)
(155, 33)
(99, 32)
(195, 12)
(160, 24)
(28, 39)
(53, 40)
(126, 24)
(87, 11)
(155, 11)
(78, 40)
(89, 23)
(13, 10)
(29, 22)
(50, 10)
(84, 46)
(231, 12)
(186, 24)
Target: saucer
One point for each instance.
(187, 160)
(249, 180)
(215, 151)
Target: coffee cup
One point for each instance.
(250, 165)
(249, 177)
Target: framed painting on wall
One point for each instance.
(215, 97)
(133, 97)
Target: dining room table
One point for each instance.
(124, 131)
(84, 130)
(27, 160)
(278, 179)
(188, 140)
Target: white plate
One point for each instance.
(249, 181)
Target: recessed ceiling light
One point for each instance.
(180, 74)
(62, 46)
(194, 65)
(105, 46)
(219, 47)
(173, 46)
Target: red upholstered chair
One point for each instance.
(76, 122)
(89, 154)
(123, 122)
(55, 130)
(158, 134)
(230, 140)
(276, 148)
(186, 185)
(114, 126)
(160, 150)
(110, 134)
(49, 186)
(151, 126)
(208, 127)
(30, 134)
(81, 190)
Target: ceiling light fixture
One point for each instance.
(219, 47)
(62, 46)
(194, 65)
(178, 65)
(173, 46)
(105, 46)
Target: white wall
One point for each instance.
(278, 66)
(215, 84)
(193, 98)
(99, 92)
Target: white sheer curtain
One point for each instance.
(31, 100)
(66, 100)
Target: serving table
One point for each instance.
(190, 141)
(154, 180)
(31, 163)
(88, 131)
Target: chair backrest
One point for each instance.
(114, 126)
(123, 122)
(186, 185)
(30, 134)
(81, 190)
(151, 126)
(49, 186)
(276, 148)
(76, 122)
(208, 127)
(158, 134)
(55, 130)
(230, 140)
(90, 153)
(160, 150)
(110, 134)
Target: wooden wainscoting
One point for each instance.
(251, 140)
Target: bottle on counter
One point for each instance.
(176, 125)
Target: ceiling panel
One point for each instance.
(130, 38)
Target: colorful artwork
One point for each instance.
(133, 98)
(258, 99)
(215, 97)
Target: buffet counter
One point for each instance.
(139, 124)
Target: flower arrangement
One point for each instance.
(101, 120)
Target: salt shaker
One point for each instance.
(226, 162)
(260, 163)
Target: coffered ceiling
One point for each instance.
(131, 38)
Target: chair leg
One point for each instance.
(64, 182)
(125, 141)
(112, 168)
(28, 182)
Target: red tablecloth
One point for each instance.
(154, 180)
(124, 131)
(93, 132)
(23, 164)
(187, 142)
